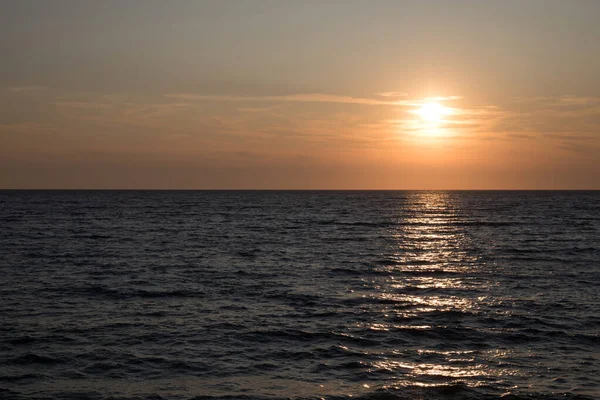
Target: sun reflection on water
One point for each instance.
(429, 288)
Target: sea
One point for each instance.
(299, 295)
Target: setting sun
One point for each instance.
(433, 112)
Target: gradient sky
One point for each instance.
(310, 94)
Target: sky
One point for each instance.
(311, 94)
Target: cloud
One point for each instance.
(149, 111)
(460, 122)
(580, 101)
(564, 112)
(558, 119)
(82, 105)
(559, 100)
(27, 89)
(392, 94)
(26, 128)
(443, 98)
(257, 109)
(300, 98)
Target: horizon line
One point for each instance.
(289, 190)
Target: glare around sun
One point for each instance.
(433, 112)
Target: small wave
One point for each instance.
(33, 358)
(103, 291)
(454, 391)
(22, 377)
(368, 271)
(338, 351)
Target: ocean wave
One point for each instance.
(453, 391)
(391, 295)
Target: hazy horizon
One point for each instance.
(303, 190)
(312, 95)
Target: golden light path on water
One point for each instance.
(430, 268)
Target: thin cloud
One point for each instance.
(257, 109)
(27, 89)
(566, 107)
(559, 101)
(26, 127)
(392, 94)
(580, 101)
(443, 98)
(82, 105)
(564, 118)
(300, 98)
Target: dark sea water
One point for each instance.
(335, 295)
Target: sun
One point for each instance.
(433, 112)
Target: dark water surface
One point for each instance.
(369, 295)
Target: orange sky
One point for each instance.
(306, 95)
